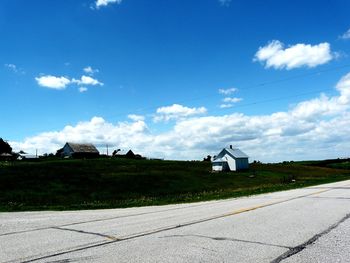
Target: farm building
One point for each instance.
(230, 159)
(6, 157)
(129, 155)
(27, 156)
(79, 150)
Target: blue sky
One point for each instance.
(177, 79)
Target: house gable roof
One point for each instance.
(236, 153)
(82, 147)
(130, 153)
(232, 153)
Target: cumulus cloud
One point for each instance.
(101, 3)
(82, 89)
(135, 117)
(226, 105)
(89, 70)
(11, 67)
(232, 100)
(87, 80)
(61, 83)
(307, 130)
(14, 68)
(224, 2)
(277, 56)
(53, 82)
(96, 131)
(229, 102)
(176, 111)
(227, 91)
(346, 35)
(343, 86)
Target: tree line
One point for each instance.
(5, 147)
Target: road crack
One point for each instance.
(86, 232)
(228, 239)
(295, 250)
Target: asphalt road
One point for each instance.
(304, 225)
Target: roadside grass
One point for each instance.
(112, 183)
(343, 165)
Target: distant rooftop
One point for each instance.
(82, 147)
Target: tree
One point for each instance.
(5, 147)
(207, 159)
(115, 152)
(59, 152)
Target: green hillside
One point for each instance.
(107, 183)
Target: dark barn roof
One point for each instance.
(82, 147)
(130, 154)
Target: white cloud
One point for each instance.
(82, 89)
(100, 3)
(224, 2)
(60, 83)
(343, 86)
(229, 102)
(306, 131)
(226, 105)
(177, 111)
(135, 117)
(97, 131)
(227, 91)
(346, 35)
(277, 56)
(12, 67)
(232, 100)
(53, 82)
(90, 70)
(87, 80)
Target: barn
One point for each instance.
(230, 159)
(79, 150)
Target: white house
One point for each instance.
(230, 159)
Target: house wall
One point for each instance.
(220, 166)
(231, 162)
(217, 167)
(242, 163)
(67, 151)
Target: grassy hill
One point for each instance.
(331, 163)
(110, 183)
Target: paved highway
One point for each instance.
(304, 225)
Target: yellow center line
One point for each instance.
(112, 238)
(321, 191)
(235, 212)
(243, 210)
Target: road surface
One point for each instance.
(304, 225)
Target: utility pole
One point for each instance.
(36, 153)
(107, 148)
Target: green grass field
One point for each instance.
(111, 183)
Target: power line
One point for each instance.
(298, 76)
(281, 98)
(262, 84)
